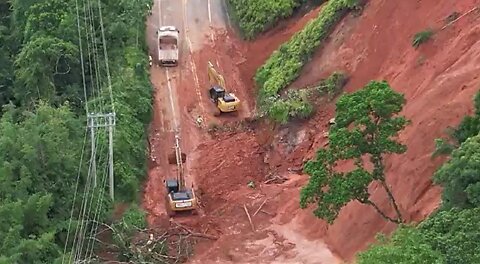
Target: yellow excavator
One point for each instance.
(225, 101)
(179, 197)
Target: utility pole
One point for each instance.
(93, 159)
(102, 121)
(111, 124)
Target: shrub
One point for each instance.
(442, 147)
(459, 176)
(255, 16)
(284, 64)
(333, 85)
(296, 104)
(421, 37)
(470, 125)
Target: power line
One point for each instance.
(96, 119)
(85, 137)
(75, 195)
(109, 79)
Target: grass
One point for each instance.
(422, 37)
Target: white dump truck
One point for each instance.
(168, 46)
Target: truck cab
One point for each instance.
(167, 41)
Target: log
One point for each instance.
(260, 207)
(249, 218)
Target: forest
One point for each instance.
(61, 59)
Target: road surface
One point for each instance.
(179, 93)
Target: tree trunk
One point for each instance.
(392, 201)
(379, 174)
(386, 217)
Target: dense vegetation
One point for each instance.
(284, 64)
(451, 235)
(300, 103)
(43, 122)
(255, 16)
(367, 123)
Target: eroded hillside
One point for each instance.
(438, 79)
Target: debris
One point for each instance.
(458, 18)
(199, 121)
(249, 218)
(251, 184)
(194, 234)
(260, 207)
(275, 178)
(267, 213)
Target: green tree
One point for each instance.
(406, 246)
(448, 237)
(455, 234)
(470, 125)
(36, 180)
(460, 176)
(367, 124)
(43, 64)
(45, 18)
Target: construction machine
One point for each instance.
(167, 41)
(225, 101)
(179, 197)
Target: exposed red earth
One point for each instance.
(438, 80)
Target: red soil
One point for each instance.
(376, 45)
(438, 80)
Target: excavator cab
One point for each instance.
(179, 200)
(226, 102)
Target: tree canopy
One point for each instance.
(451, 234)
(43, 122)
(367, 123)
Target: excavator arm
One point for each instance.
(179, 159)
(214, 77)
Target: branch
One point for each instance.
(194, 234)
(249, 218)
(396, 221)
(56, 67)
(458, 18)
(260, 207)
(392, 200)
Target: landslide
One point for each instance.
(438, 79)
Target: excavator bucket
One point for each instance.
(172, 159)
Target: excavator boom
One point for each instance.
(214, 77)
(179, 160)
